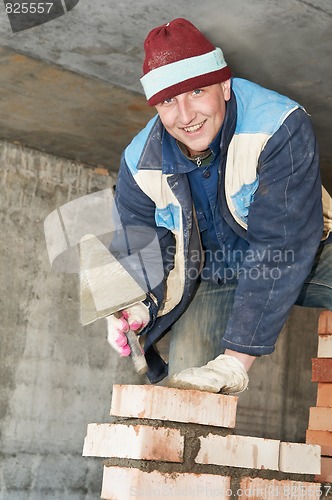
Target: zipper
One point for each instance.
(201, 264)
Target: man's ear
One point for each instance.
(226, 87)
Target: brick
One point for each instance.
(320, 419)
(120, 483)
(325, 323)
(266, 489)
(323, 438)
(326, 472)
(299, 458)
(134, 441)
(324, 346)
(321, 370)
(178, 405)
(324, 395)
(239, 451)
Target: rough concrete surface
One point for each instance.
(71, 88)
(66, 114)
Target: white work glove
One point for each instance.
(135, 317)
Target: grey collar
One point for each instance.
(201, 156)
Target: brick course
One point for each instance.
(239, 451)
(300, 458)
(166, 403)
(324, 346)
(120, 483)
(326, 472)
(180, 457)
(323, 438)
(321, 370)
(134, 441)
(325, 323)
(320, 418)
(324, 395)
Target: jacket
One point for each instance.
(270, 194)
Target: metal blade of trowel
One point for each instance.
(106, 287)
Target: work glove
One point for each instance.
(135, 317)
(224, 374)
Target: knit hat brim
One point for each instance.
(185, 75)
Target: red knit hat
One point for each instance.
(179, 58)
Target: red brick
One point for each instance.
(178, 405)
(323, 438)
(267, 489)
(326, 473)
(321, 370)
(320, 419)
(239, 451)
(121, 483)
(324, 395)
(134, 441)
(324, 346)
(325, 323)
(299, 458)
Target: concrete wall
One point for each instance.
(57, 376)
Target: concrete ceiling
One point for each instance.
(71, 86)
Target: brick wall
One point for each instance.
(320, 417)
(166, 442)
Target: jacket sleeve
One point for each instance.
(137, 216)
(285, 225)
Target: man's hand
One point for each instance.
(135, 317)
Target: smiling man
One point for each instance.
(195, 117)
(227, 174)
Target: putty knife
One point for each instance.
(106, 287)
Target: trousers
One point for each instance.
(196, 337)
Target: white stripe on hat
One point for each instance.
(163, 77)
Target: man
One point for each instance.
(227, 174)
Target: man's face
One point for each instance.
(195, 117)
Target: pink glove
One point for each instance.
(135, 317)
